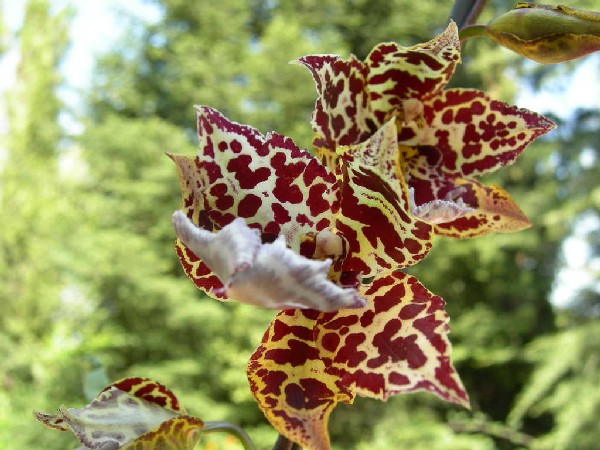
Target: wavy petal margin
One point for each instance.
(227, 252)
(309, 361)
(439, 211)
(341, 115)
(133, 413)
(396, 74)
(268, 275)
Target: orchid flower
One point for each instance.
(445, 136)
(248, 198)
(323, 239)
(130, 414)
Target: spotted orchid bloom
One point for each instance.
(257, 207)
(323, 239)
(446, 137)
(130, 414)
(244, 193)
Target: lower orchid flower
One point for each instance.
(130, 414)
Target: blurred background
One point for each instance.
(94, 94)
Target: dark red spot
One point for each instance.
(316, 199)
(391, 298)
(302, 219)
(236, 147)
(373, 382)
(249, 206)
(246, 177)
(282, 330)
(296, 355)
(330, 342)
(273, 228)
(286, 192)
(273, 380)
(447, 117)
(224, 202)
(340, 322)
(309, 394)
(396, 349)
(281, 214)
(398, 379)
(427, 325)
(212, 170)
(444, 373)
(367, 318)
(411, 311)
(349, 353)
(310, 314)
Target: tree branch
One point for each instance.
(498, 430)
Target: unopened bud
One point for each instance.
(547, 34)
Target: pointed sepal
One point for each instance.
(307, 361)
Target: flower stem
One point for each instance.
(217, 426)
(466, 12)
(283, 443)
(472, 31)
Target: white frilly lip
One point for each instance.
(267, 275)
(439, 211)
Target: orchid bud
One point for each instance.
(547, 34)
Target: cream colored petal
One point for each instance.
(282, 279)
(232, 249)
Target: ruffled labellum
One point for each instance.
(268, 275)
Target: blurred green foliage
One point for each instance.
(89, 282)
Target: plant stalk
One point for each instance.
(283, 443)
(218, 426)
(472, 31)
(466, 12)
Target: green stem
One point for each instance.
(218, 426)
(466, 12)
(498, 430)
(472, 31)
(283, 443)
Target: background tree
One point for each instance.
(43, 315)
(88, 272)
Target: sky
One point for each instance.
(95, 28)
(98, 24)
